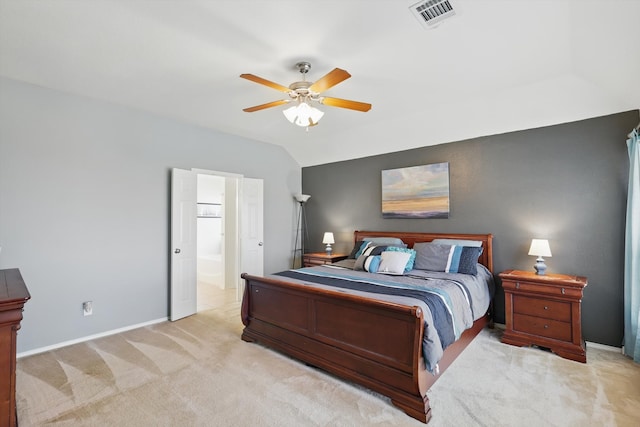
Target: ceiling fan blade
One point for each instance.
(329, 80)
(267, 105)
(345, 103)
(265, 82)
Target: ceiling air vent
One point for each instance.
(431, 12)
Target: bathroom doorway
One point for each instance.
(210, 240)
(235, 245)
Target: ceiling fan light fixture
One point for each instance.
(303, 114)
(291, 113)
(305, 93)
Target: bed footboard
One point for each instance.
(373, 343)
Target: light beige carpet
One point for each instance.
(197, 372)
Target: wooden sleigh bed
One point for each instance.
(374, 343)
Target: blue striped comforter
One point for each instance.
(450, 302)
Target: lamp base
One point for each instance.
(540, 266)
(328, 249)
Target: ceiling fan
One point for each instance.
(305, 93)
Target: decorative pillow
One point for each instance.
(458, 242)
(372, 263)
(386, 241)
(412, 256)
(369, 251)
(368, 243)
(447, 258)
(465, 260)
(357, 248)
(393, 262)
(363, 246)
(431, 256)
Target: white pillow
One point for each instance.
(393, 262)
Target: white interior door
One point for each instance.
(252, 228)
(183, 286)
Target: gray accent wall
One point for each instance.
(84, 206)
(567, 183)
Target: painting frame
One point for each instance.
(416, 191)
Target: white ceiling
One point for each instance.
(496, 66)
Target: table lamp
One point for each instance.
(540, 248)
(328, 240)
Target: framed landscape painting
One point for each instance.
(416, 192)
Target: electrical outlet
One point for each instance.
(87, 308)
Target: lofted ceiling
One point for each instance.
(494, 67)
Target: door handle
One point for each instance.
(260, 244)
(177, 251)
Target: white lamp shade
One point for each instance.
(315, 115)
(303, 114)
(540, 247)
(291, 113)
(328, 238)
(302, 198)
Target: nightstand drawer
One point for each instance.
(542, 289)
(555, 310)
(321, 258)
(312, 262)
(542, 327)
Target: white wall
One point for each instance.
(84, 206)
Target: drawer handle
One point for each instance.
(562, 291)
(546, 308)
(517, 285)
(546, 326)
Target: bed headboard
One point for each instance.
(486, 258)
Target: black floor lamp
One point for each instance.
(301, 230)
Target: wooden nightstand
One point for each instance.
(320, 258)
(545, 311)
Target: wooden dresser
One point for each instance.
(544, 311)
(13, 295)
(319, 258)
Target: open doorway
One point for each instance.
(216, 236)
(241, 212)
(210, 254)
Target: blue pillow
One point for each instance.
(459, 242)
(357, 250)
(412, 257)
(465, 259)
(372, 263)
(368, 252)
(363, 246)
(447, 258)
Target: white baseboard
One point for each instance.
(603, 347)
(89, 338)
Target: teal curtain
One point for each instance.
(632, 253)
